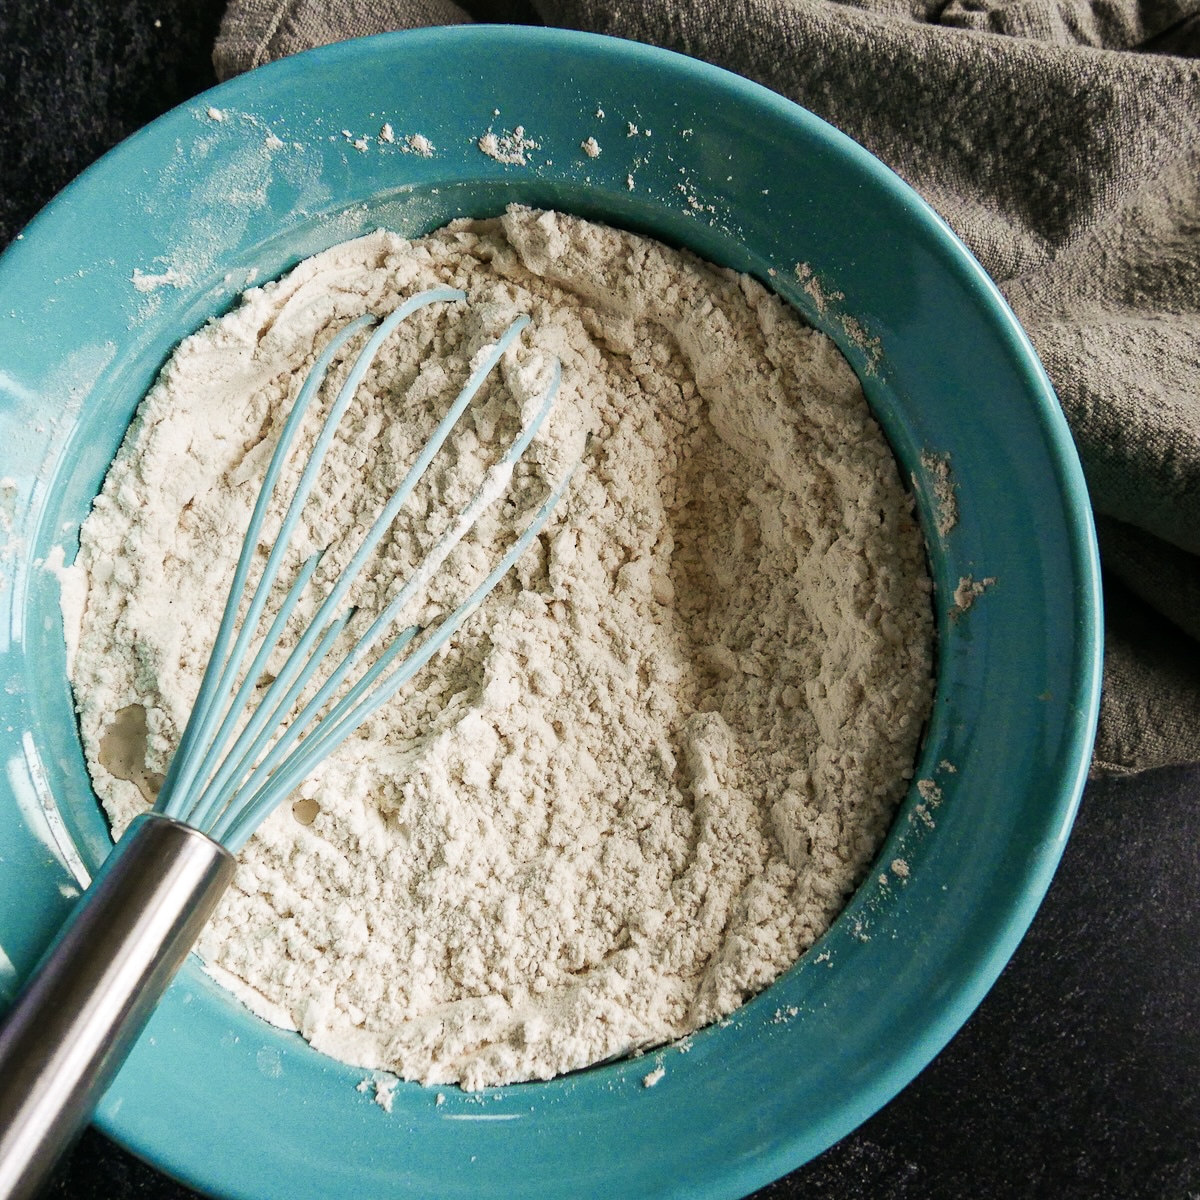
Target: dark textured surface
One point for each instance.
(1076, 1079)
(77, 76)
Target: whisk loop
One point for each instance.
(232, 769)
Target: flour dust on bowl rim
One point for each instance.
(239, 185)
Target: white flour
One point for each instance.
(648, 773)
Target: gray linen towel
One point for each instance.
(1061, 141)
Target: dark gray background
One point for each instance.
(1079, 1076)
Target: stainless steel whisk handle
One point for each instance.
(94, 990)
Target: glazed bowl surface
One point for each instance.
(240, 184)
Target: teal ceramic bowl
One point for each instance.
(255, 175)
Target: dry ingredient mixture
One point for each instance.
(647, 774)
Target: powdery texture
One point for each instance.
(650, 770)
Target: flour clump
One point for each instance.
(649, 771)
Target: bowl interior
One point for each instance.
(242, 183)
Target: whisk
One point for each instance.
(240, 755)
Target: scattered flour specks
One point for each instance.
(172, 277)
(511, 148)
(647, 774)
(385, 1091)
(812, 285)
(929, 791)
(968, 590)
(945, 490)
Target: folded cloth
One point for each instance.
(1060, 139)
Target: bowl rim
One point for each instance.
(992, 948)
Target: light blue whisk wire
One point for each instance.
(298, 668)
(219, 675)
(227, 793)
(382, 622)
(368, 697)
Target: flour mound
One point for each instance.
(646, 775)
